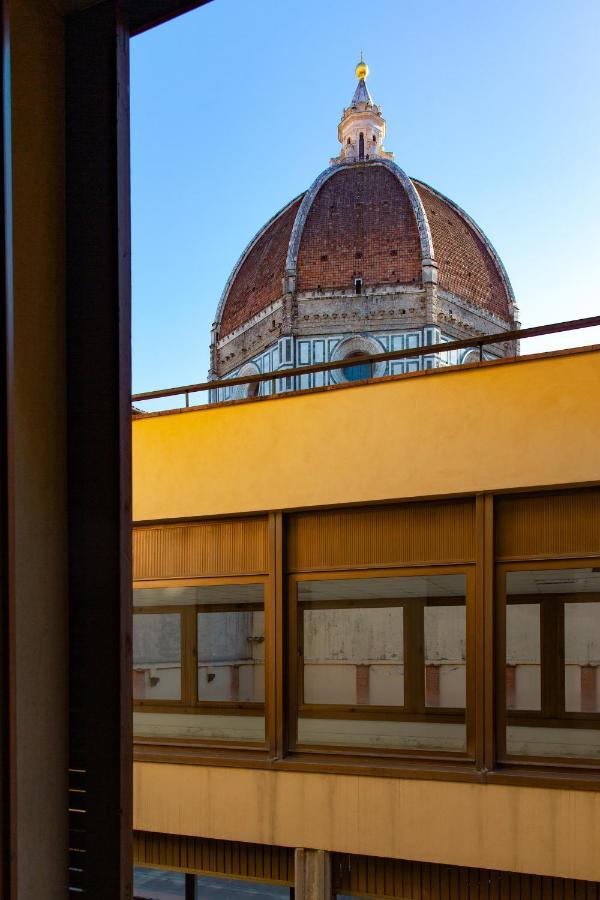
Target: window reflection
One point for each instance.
(199, 669)
(157, 656)
(582, 657)
(552, 662)
(231, 655)
(383, 661)
(157, 884)
(354, 656)
(523, 662)
(445, 655)
(214, 888)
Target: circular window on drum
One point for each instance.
(353, 348)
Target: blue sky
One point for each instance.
(235, 109)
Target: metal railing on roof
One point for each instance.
(478, 343)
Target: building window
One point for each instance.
(157, 656)
(199, 661)
(163, 884)
(358, 283)
(551, 661)
(358, 372)
(158, 884)
(361, 146)
(382, 661)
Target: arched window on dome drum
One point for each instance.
(358, 372)
(361, 146)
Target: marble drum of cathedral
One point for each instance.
(366, 261)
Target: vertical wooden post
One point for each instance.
(6, 479)
(312, 875)
(190, 886)
(99, 436)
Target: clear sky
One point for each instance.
(235, 109)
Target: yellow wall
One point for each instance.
(534, 422)
(531, 423)
(534, 830)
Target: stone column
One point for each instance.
(313, 875)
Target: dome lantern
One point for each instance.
(361, 131)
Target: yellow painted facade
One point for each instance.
(531, 423)
(540, 831)
(432, 434)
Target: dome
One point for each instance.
(366, 220)
(365, 258)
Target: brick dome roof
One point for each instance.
(368, 220)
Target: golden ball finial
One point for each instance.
(362, 69)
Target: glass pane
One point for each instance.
(157, 884)
(354, 656)
(523, 660)
(582, 657)
(157, 656)
(360, 639)
(211, 888)
(358, 372)
(559, 724)
(231, 655)
(230, 627)
(445, 632)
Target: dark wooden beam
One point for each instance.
(144, 14)
(99, 455)
(6, 406)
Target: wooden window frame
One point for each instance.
(188, 701)
(485, 763)
(552, 710)
(413, 711)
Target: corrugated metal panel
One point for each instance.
(224, 547)
(394, 878)
(548, 525)
(205, 856)
(384, 535)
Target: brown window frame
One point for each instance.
(552, 710)
(485, 762)
(415, 710)
(188, 701)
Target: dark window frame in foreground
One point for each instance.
(98, 367)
